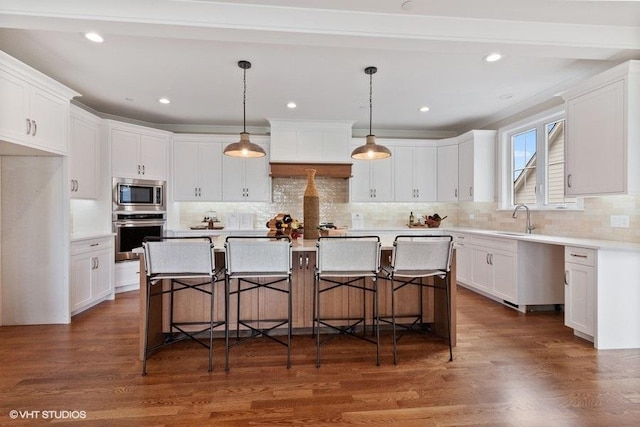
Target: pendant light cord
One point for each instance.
(244, 102)
(370, 102)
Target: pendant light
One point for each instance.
(244, 147)
(370, 150)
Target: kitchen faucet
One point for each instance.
(515, 215)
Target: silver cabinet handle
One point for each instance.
(34, 130)
(142, 169)
(28, 129)
(307, 261)
(470, 191)
(138, 169)
(566, 277)
(455, 193)
(488, 259)
(569, 180)
(300, 262)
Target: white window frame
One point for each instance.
(505, 173)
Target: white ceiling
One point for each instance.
(314, 53)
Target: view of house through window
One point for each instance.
(537, 164)
(523, 147)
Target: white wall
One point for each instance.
(35, 240)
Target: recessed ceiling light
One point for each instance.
(291, 105)
(164, 101)
(424, 109)
(493, 57)
(94, 37)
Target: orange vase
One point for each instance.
(311, 207)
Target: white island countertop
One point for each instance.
(388, 234)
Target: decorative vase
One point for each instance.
(311, 207)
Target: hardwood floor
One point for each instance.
(509, 369)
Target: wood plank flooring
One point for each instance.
(509, 369)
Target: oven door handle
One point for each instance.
(138, 223)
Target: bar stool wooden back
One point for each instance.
(261, 265)
(416, 261)
(351, 262)
(186, 263)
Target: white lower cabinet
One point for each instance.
(463, 258)
(91, 272)
(580, 290)
(494, 263)
(520, 274)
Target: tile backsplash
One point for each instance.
(287, 195)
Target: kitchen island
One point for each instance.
(341, 302)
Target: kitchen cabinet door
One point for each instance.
(153, 157)
(138, 153)
(505, 284)
(580, 290)
(81, 269)
(197, 171)
(476, 171)
(50, 121)
(84, 155)
(591, 119)
(246, 180)
(15, 107)
(415, 174)
(92, 265)
(464, 255)
(447, 173)
(372, 180)
(601, 140)
(35, 109)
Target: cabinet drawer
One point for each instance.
(580, 255)
(88, 245)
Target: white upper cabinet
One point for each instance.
(35, 108)
(84, 154)
(138, 152)
(197, 168)
(247, 180)
(372, 180)
(415, 173)
(448, 171)
(602, 133)
(476, 170)
(303, 141)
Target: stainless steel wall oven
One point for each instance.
(138, 212)
(131, 228)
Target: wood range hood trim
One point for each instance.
(295, 170)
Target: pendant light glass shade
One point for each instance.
(244, 147)
(370, 150)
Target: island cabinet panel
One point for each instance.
(266, 304)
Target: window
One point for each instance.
(532, 153)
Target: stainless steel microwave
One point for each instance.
(138, 195)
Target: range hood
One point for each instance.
(295, 169)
